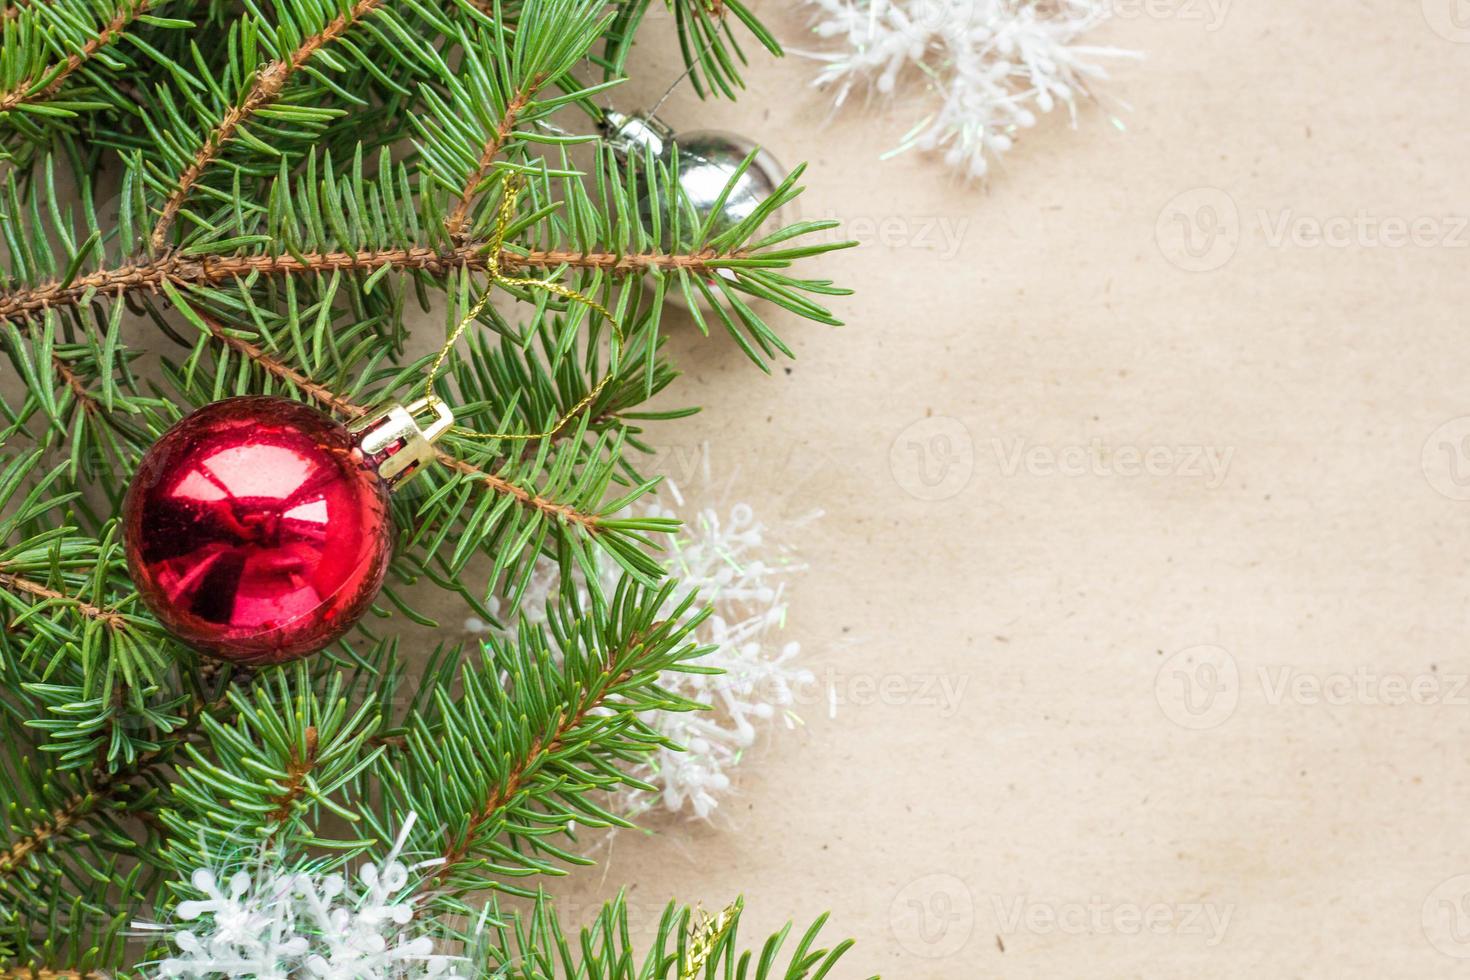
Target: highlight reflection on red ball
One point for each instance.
(255, 532)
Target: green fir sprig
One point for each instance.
(203, 199)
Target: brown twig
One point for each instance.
(296, 772)
(279, 369)
(102, 786)
(268, 84)
(570, 515)
(56, 822)
(24, 586)
(331, 400)
(150, 276)
(455, 223)
(22, 93)
(77, 808)
(71, 812)
(74, 382)
(456, 852)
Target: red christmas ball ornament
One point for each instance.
(257, 529)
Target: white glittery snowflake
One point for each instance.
(270, 923)
(737, 565)
(991, 67)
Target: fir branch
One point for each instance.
(103, 786)
(459, 217)
(533, 944)
(297, 770)
(78, 387)
(539, 728)
(48, 828)
(19, 304)
(591, 523)
(534, 728)
(707, 41)
(303, 742)
(458, 851)
(16, 7)
(270, 219)
(269, 82)
(56, 822)
(28, 92)
(25, 587)
(283, 371)
(324, 395)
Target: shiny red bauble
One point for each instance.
(255, 531)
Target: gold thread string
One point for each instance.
(703, 939)
(503, 219)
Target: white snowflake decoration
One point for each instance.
(992, 66)
(275, 924)
(733, 566)
(736, 565)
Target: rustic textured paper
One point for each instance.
(1058, 821)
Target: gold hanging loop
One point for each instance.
(503, 220)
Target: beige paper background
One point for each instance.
(1318, 833)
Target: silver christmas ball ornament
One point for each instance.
(708, 160)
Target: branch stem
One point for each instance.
(457, 852)
(207, 271)
(269, 82)
(77, 386)
(104, 784)
(334, 402)
(455, 223)
(24, 586)
(26, 91)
